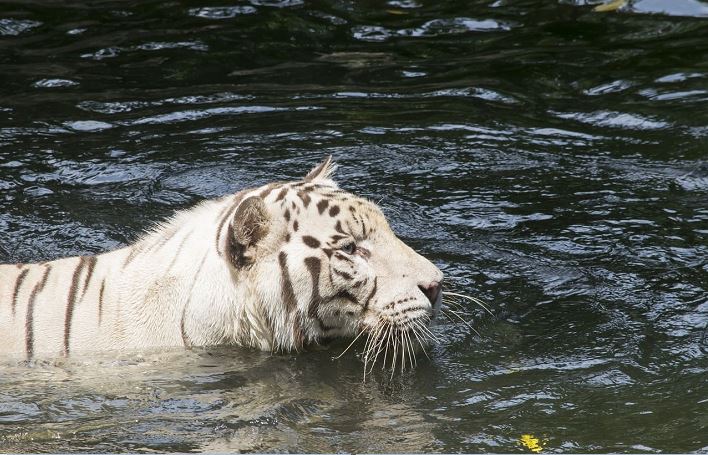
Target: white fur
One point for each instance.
(153, 296)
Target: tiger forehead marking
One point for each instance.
(277, 267)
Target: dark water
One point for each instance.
(550, 159)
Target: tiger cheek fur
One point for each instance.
(276, 267)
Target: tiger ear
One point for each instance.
(322, 171)
(248, 227)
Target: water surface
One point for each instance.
(549, 158)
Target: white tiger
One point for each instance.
(276, 268)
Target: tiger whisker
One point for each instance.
(411, 352)
(404, 340)
(390, 339)
(378, 348)
(459, 314)
(387, 343)
(455, 306)
(391, 344)
(406, 352)
(450, 318)
(465, 322)
(378, 352)
(429, 333)
(371, 339)
(350, 345)
(393, 357)
(366, 353)
(403, 350)
(451, 302)
(422, 347)
(412, 359)
(415, 333)
(473, 299)
(395, 342)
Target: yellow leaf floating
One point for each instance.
(613, 5)
(532, 443)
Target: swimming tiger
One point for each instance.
(278, 268)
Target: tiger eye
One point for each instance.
(349, 248)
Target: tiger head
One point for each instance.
(323, 263)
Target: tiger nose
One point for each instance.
(433, 291)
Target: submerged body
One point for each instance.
(275, 267)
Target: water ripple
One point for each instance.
(549, 158)
(191, 115)
(221, 12)
(433, 28)
(612, 119)
(14, 27)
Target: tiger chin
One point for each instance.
(277, 268)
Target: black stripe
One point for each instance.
(268, 189)
(282, 194)
(20, 278)
(371, 295)
(29, 321)
(344, 275)
(335, 238)
(343, 257)
(314, 265)
(310, 241)
(287, 292)
(408, 310)
(100, 301)
(71, 301)
(298, 333)
(185, 339)
(89, 273)
(322, 205)
(305, 198)
(133, 252)
(346, 295)
(349, 226)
